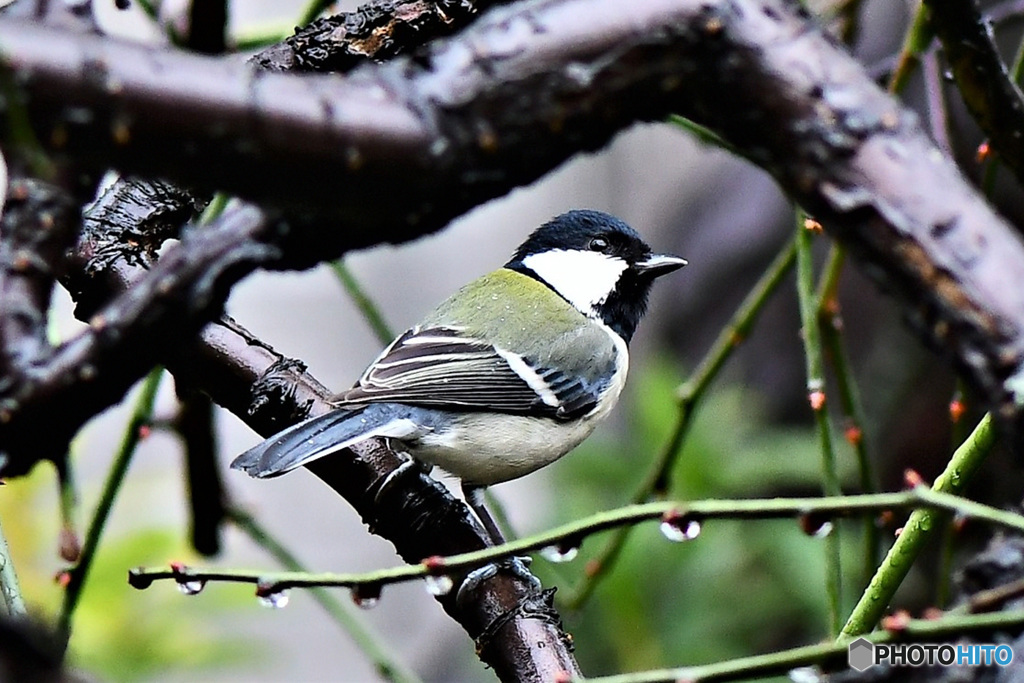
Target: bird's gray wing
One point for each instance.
(444, 367)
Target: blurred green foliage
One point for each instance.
(741, 587)
(119, 633)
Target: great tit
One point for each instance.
(509, 374)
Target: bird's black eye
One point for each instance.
(599, 244)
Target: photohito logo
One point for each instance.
(863, 653)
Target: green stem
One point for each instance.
(830, 324)
(677, 513)
(343, 613)
(312, 10)
(927, 630)
(9, 587)
(703, 134)
(916, 41)
(215, 208)
(916, 531)
(77, 575)
(255, 38)
(688, 397)
(816, 395)
(369, 309)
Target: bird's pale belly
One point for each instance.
(490, 449)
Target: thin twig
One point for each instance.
(77, 575)
(916, 41)
(916, 531)
(991, 95)
(674, 516)
(830, 324)
(816, 396)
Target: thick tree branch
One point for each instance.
(516, 629)
(379, 30)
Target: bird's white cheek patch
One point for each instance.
(584, 278)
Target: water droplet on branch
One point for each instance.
(366, 596)
(678, 527)
(191, 587)
(273, 599)
(816, 524)
(565, 550)
(440, 584)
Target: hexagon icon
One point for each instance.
(861, 654)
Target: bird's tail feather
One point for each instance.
(319, 436)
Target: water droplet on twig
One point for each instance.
(366, 596)
(816, 524)
(440, 584)
(678, 527)
(191, 587)
(273, 600)
(565, 550)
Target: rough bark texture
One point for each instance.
(377, 31)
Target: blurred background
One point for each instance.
(741, 588)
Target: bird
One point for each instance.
(508, 374)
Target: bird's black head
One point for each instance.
(597, 263)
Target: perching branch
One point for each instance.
(417, 515)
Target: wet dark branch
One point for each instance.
(992, 97)
(38, 225)
(517, 630)
(194, 423)
(396, 150)
(378, 30)
(127, 336)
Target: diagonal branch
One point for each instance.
(517, 630)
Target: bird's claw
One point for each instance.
(517, 566)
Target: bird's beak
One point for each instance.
(657, 265)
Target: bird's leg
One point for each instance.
(475, 499)
(517, 565)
